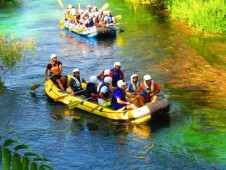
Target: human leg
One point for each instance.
(154, 99)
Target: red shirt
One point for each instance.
(156, 87)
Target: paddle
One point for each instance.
(101, 105)
(72, 105)
(61, 4)
(37, 85)
(60, 97)
(105, 6)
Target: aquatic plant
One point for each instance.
(12, 51)
(12, 158)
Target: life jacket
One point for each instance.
(109, 20)
(88, 93)
(54, 68)
(106, 94)
(134, 86)
(123, 97)
(77, 86)
(117, 76)
(148, 90)
(91, 23)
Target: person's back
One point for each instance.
(91, 89)
(104, 92)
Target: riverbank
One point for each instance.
(207, 16)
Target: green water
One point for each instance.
(189, 65)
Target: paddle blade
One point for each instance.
(171, 96)
(35, 86)
(60, 97)
(80, 30)
(61, 23)
(105, 6)
(118, 17)
(72, 28)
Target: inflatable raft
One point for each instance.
(136, 116)
(94, 32)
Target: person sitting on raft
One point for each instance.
(109, 19)
(55, 69)
(75, 84)
(118, 99)
(148, 89)
(91, 89)
(105, 92)
(116, 74)
(133, 86)
(103, 74)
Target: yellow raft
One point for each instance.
(136, 116)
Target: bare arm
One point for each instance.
(119, 101)
(46, 73)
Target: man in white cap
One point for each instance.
(118, 99)
(116, 74)
(55, 69)
(149, 88)
(75, 84)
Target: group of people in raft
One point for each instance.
(89, 17)
(108, 88)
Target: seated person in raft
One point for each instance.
(148, 89)
(55, 69)
(75, 84)
(91, 89)
(105, 92)
(118, 99)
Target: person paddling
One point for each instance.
(118, 99)
(148, 89)
(75, 84)
(116, 74)
(55, 69)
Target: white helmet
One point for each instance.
(70, 6)
(147, 77)
(93, 79)
(120, 83)
(107, 72)
(108, 80)
(52, 56)
(117, 64)
(134, 75)
(75, 70)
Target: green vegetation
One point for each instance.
(206, 15)
(13, 51)
(12, 158)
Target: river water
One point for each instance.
(185, 63)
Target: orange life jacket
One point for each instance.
(55, 68)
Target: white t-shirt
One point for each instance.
(104, 89)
